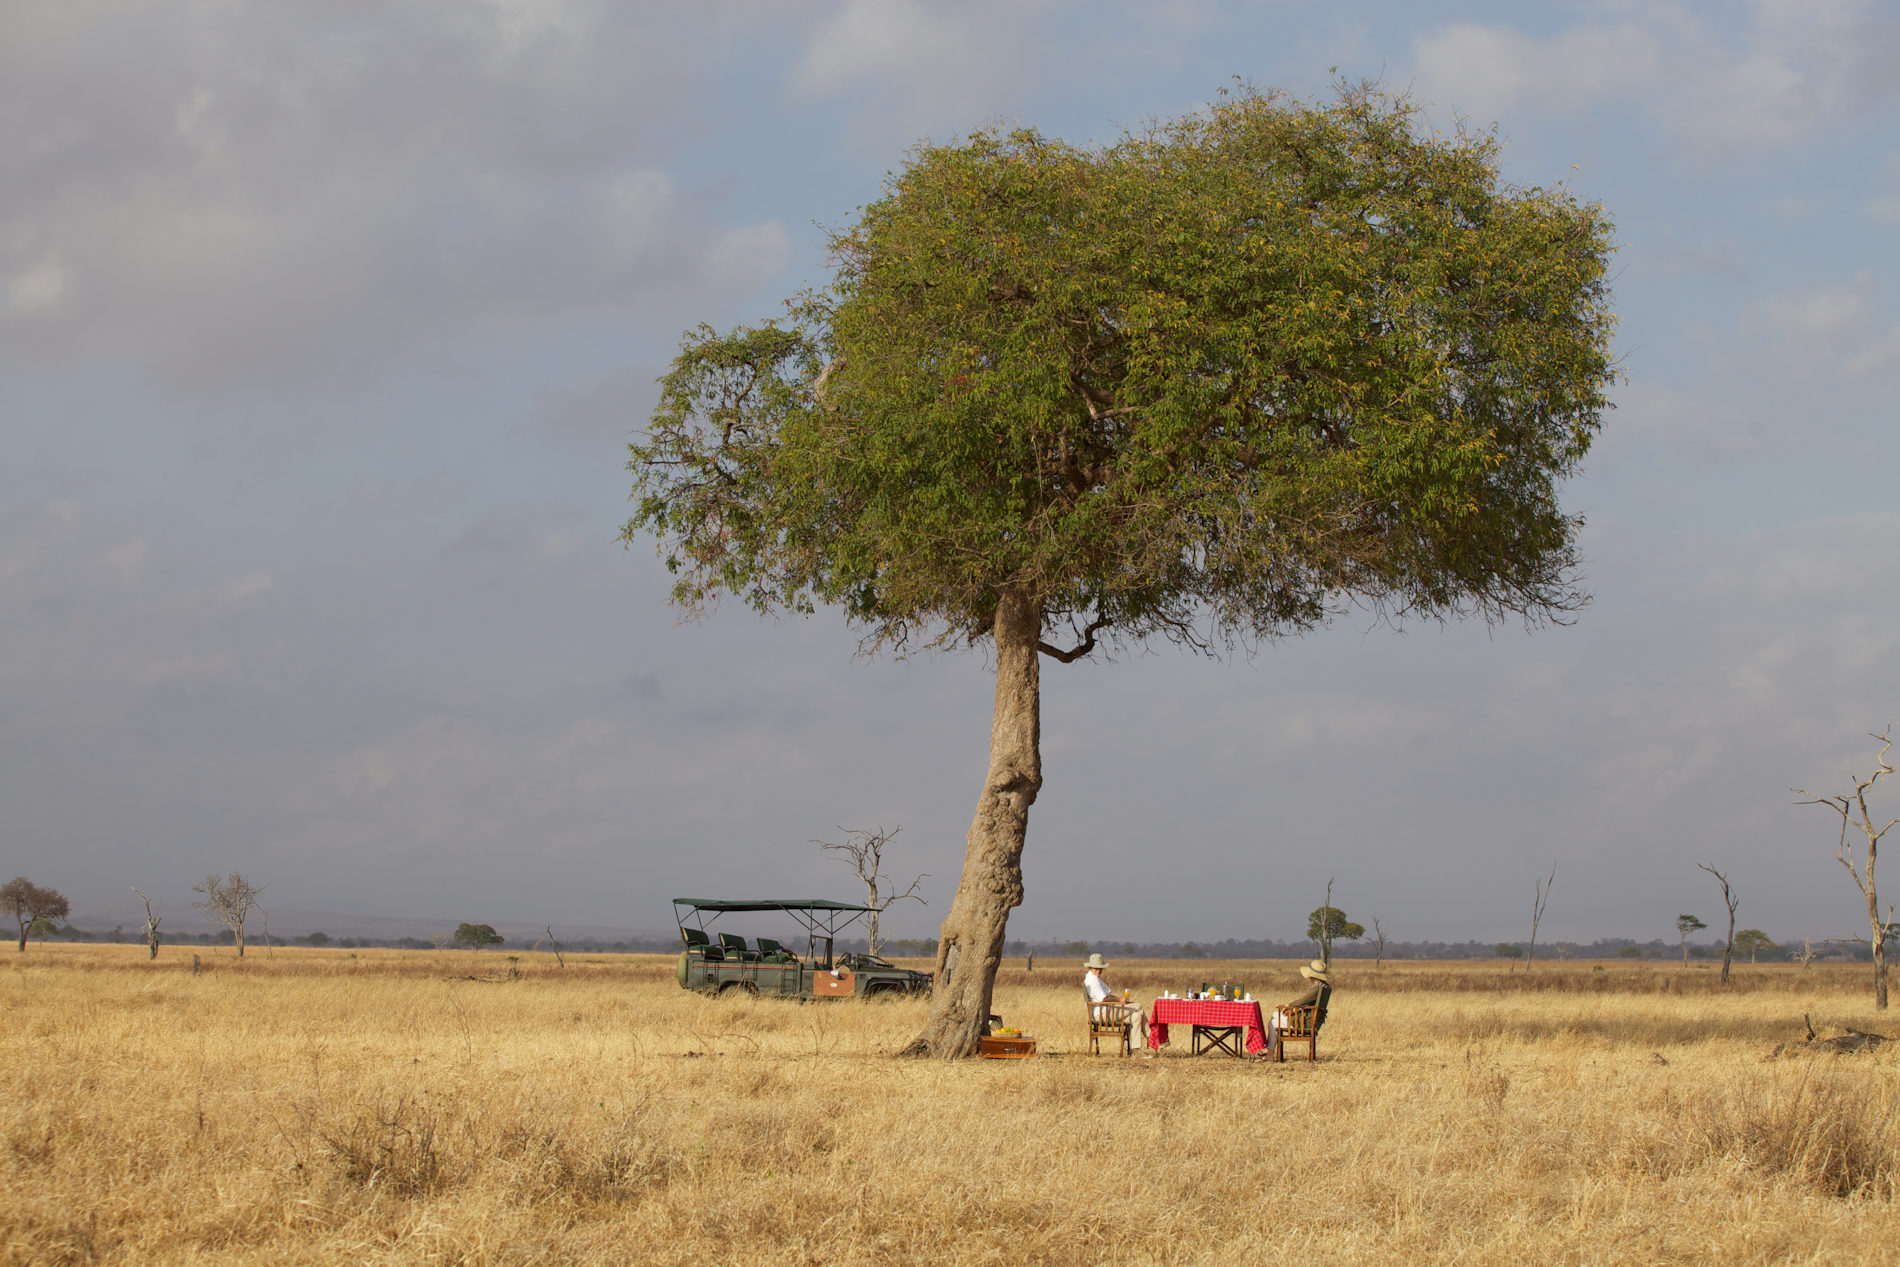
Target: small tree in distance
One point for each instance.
(151, 924)
(863, 852)
(1686, 924)
(33, 908)
(475, 936)
(1751, 941)
(1541, 899)
(1326, 924)
(229, 900)
(1511, 952)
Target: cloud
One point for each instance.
(1811, 320)
(1885, 205)
(1715, 80)
(909, 68)
(1689, 423)
(227, 195)
(1882, 356)
(1827, 325)
(942, 68)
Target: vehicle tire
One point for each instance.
(743, 986)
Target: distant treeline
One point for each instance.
(224, 937)
(1055, 951)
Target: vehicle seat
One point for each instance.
(769, 949)
(733, 945)
(695, 939)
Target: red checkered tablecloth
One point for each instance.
(1210, 1012)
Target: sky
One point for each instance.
(323, 330)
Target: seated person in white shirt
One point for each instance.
(1098, 992)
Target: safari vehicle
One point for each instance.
(714, 962)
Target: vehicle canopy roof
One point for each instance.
(818, 916)
(767, 904)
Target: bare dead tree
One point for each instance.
(151, 924)
(1863, 872)
(555, 946)
(1326, 932)
(1807, 952)
(863, 852)
(1378, 943)
(1731, 901)
(229, 900)
(1538, 902)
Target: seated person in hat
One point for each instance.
(1321, 987)
(1099, 993)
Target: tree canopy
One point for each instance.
(475, 936)
(1238, 366)
(1327, 924)
(32, 906)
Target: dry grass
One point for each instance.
(323, 1106)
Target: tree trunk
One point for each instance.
(992, 880)
(1728, 949)
(1879, 939)
(240, 940)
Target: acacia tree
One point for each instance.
(32, 907)
(1752, 941)
(229, 900)
(1686, 924)
(863, 852)
(1326, 924)
(1879, 932)
(475, 936)
(1211, 383)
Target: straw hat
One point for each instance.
(1097, 962)
(1316, 971)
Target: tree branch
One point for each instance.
(1081, 649)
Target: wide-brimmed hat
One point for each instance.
(1316, 971)
(1096, 961)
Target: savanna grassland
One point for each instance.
(324, 1106)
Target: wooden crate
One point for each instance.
(993, 1048)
